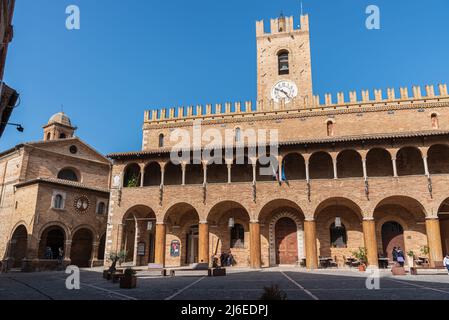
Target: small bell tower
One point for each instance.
(59, 127)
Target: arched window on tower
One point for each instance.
(330, 129)
(237, 236)
(48, 136)
(62, 136)
(58, 202)
(161, 140)
(434, 118)
(339, 239)
(284, 67)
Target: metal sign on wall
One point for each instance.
(175, 248)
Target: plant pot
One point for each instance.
(362, 268)
(128, 282)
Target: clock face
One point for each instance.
(284, 90)
(81, 204)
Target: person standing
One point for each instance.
(395, 254)
(400, 257)
(446, 262)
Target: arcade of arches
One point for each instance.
(282, 234)
(81, 248)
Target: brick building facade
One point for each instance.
(54, 196)
(369, 171)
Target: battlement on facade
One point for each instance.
(282, 25)
(391, 96)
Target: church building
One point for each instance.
(54, 197)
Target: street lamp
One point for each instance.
(18, 126)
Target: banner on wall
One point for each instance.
(175, 248)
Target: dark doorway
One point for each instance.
(18, 246)
(392, 236)
(81, 251)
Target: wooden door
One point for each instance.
(286, 241)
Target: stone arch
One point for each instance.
(136, 229)
(266, 168)
(70, 174)
(67, 232)
(379, 163)
(409, 161)
(349, 164)
(53, 236)
(131, 176)
(82, 245)
(299, 234)
(321, 166)
(270, 214)
(443, 216)
(172, 174)
(410, 214)
(218, 218)
(152, 175)
(438, 159)
(182, 225)
(86, 226)
(18, 245)
(294, 166)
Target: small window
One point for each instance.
(339, 238)
(238, 135)
(68, 174)
(101, 208)
(237, 236)
(435, 124)
(48, 136)
(58, 202)
(161, 140)
(62, 136)
(73, 149)
(330, 129)
(284, 67)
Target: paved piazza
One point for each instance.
(240, 284)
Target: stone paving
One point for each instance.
(240, 284)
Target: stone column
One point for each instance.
(307, 170)
(162, 177)
(365, 172)
(204, 173)
(94, 256)
(203, 240)
(254, 172)
(254, 245)
(426, 166)
(142, 176)
(434, 240)
(311, 248)
(159, 254)
(395, 168)
(229, 172)
(183, 167)
(334, 163)
(136, 241)
(67, 250)
(369, 235)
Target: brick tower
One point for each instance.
(284, 62)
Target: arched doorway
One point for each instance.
(139, 227)
(18, 245)
(81, 252)
(52, 239)
(286, 241)
(392, 236)
(192, 248)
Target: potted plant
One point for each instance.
(362, 257)
(129, 279)
(411, 258)
(115, 258)
(425, 252)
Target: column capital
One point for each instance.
(309, 220)
(432, 218)
(203, 222)
(368, 219)
(160, 223)
(254, 221)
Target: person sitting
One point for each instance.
(223, 259)
(230, 261)
(400, 257)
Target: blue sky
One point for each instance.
(136, 55)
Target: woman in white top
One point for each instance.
(446, 263)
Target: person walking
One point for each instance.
(446, 262)
(400, 257)
(395, 254)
